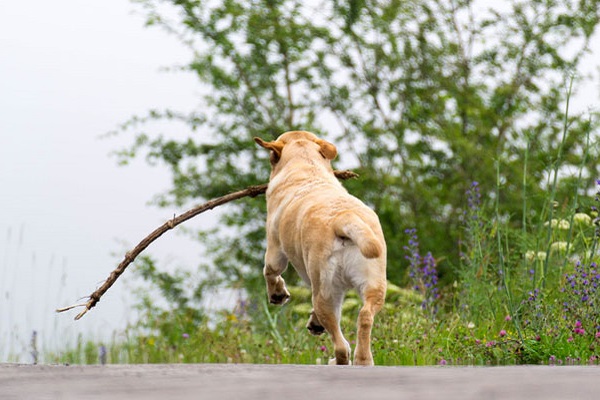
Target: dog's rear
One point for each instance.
(350, 225)
(331, 238)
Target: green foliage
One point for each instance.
(422, 97)
(515, 303)
(523, 295)
(457, 119)
(182, 310)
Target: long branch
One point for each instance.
(251, 191)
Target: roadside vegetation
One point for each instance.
(456, 115)
(525, 296)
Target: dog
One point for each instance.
(332, 239)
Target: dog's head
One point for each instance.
(297, 143)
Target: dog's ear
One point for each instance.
(275, 146)
(328, 150)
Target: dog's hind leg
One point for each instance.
(275, 265)
(327, 312)
(373, 298)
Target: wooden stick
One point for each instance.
(251, 191)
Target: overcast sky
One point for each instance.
(70, 71)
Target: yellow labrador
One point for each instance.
(333, 240)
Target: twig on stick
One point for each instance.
(251, 191)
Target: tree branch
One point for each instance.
(251, 191)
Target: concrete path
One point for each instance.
(290, 382)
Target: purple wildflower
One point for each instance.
(581, 296)
(102, 353)
(474, 198)
(423, 273)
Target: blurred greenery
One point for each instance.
(504, 309)
(422, 98)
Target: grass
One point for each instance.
(526, 296)
(542, 328)
(523, 296)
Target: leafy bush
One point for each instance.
(458, 123)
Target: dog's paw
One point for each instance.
(279, 298)
(363, 360)
(333, 361)
(315, 329)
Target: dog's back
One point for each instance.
(315, 215)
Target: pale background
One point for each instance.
(70, 71)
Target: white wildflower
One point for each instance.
(470, 325)
(530, 255)
(541, 255)
(564, 225)
(559, 246)
(582, 219)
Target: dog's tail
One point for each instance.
(351, 226)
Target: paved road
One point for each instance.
(289, 382)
